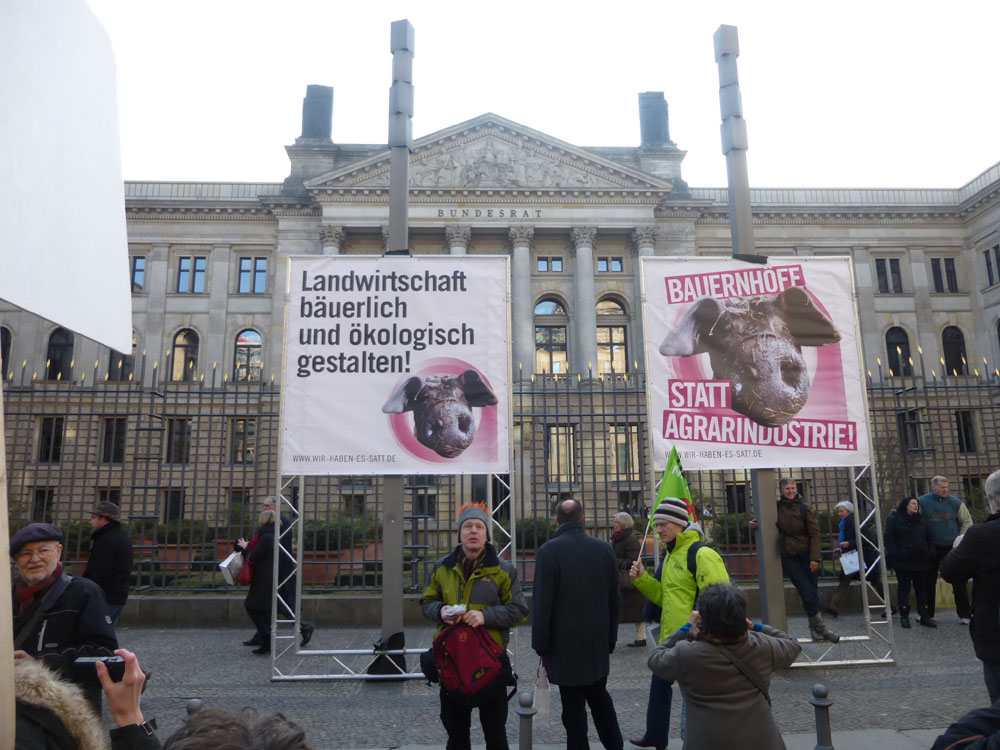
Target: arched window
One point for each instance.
(248, 361)
(612, 349)
(953, 346)
(897, 347)
(59, 355)
(121, 366)
(185, 356)
(5, 340)
(550, 337)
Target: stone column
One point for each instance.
(644, 239)
(155, 336)
(334, 239)
(583, 287)
(458, 239)
(522, 312)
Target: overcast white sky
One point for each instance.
(877, 93)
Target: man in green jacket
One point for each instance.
(675, 593)
(474, 575)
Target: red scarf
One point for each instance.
(26, 594)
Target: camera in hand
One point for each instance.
(85, 669)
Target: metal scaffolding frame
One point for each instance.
(874, 645)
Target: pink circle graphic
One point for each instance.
(484, 444)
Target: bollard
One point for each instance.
(194, 706)
(822, 703)
(526, 710)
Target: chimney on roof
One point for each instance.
(654, 124)
(317, 112)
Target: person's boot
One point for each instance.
(904, 622)
(819, 631)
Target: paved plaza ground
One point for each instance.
(936, 678)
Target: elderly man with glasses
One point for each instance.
(57, 618)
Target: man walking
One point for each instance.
(110, 561)
(975, 556)
(947, 518)
(675, 593)
(574, 625)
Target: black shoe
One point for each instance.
(927, 622)
(637, 644)
(262, 650)
(255, 641)
(307, 633)
(904, 622)
(832, 612)
(641, 742)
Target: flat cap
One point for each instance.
(34, 532)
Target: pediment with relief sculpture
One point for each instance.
(492, 153)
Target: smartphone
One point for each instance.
(86, 671)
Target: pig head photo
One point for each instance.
(756, 344)
(442, 409)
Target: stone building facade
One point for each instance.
(209, 278)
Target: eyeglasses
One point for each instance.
(26, 555)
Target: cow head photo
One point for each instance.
(442, 409)
(756, 344)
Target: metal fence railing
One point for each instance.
(189, 463)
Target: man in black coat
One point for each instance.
(574, 625)
(57, 618)
(110, 561)
(974, 556)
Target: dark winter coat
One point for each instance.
(261, 584)
(626, 547)
(110, 561)
(976, 558)
(795, 536)
(52, 714)
(724, 708)
(908, 544)
(76, 625)
(977, 730)
(574, 614)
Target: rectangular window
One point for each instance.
(113, 440)
(890, 281)
(553, 265)
(110, 495)
(609, 264)
(559, 453)
(550, 350)
(50, 438)
(737, 496)
(352, 505)
(253, 276)
(965, 428)
(625, 447)
(43, 502)
(191, 274)
(243, 441)
(611, 351)
(138, 273)
(944, 275)
(178, 441)
(996, 260)
(910, 429)
(173, 505)
(988, 256)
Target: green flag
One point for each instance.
(673, 484)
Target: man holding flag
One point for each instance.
(688, 567)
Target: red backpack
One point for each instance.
(469, 662)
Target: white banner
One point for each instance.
(397, 365)
(754, 366)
